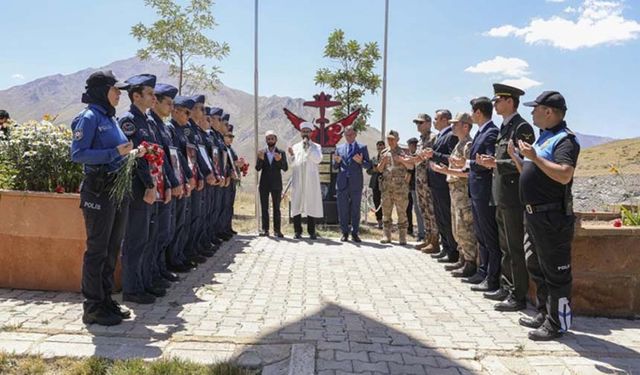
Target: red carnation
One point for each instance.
(59, 189)
(617, 223)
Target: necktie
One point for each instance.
(350, 154)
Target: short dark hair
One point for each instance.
(445, 112)
(4, 114)
(160, 98)
(485, 107)
(380, 143)
(134, 89)
(516, 101)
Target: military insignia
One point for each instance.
(128, 128)
(77, 135)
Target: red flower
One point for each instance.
(59, 189)
(617, 223)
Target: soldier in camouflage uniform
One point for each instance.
(394, 165)
(461, 214)
(425, 202)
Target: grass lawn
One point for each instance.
(23, 365)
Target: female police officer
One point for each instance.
(100, 145)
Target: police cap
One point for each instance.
(198, 99)
(164, 89)
(226, 117)
(213, 111)
(183, 101)
(141, 80)
(552, 99)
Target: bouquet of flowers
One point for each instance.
(244, 167)
(153, 153)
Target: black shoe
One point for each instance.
(206, 253)
(498, 295)
(213, 247)
(101, 316)
(511, 304)
(233, 232)
(532, 322)
(225, 236)
(140, 298)
(477, 278)
(198, 259)
(279, 235)
(468, 270)
(485, 286)
(345, 237)
(161, 283)
(155, 291)
(455, 266)
(439, 255)
(115, 308)
(313, 236)
(449, 258)
(544, 333)
(355, 238)
(297, 236)
(181, 268)
(170, 276)
(216, 241)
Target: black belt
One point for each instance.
(532, 208)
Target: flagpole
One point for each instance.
(384, 70)
(255, 112)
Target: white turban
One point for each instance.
(306, 125)
(270, 132)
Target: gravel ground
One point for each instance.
(599, 193)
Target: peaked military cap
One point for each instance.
(551, 99)
(102, 78)
(164, 89)
(198, 99)
(183, 101)
(500, 89)
(141, 80)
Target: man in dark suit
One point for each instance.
(272, 162)
(445, 142)
(509, 208)
(349, 159)
(484, 214)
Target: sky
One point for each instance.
(441, 53)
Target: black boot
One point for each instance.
(534, 321)
(102, 316)
(468, 270)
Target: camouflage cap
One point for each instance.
(422, 117)
(393, 134)
(462, 117)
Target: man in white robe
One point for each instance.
(306, 197)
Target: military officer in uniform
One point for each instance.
(505, 195)
(394, 165)
(461, 212)
(545, 189)
(423, 192)
(99, 144)
(136, 125)
(413, 205)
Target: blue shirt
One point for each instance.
(96, 137)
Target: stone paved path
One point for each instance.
(367, 309)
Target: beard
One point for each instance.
(271, 144)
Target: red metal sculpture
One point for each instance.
(325, 135)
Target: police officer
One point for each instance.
(460, 202)
(174, 189)
(100, 145)
(394, 165)
(136, 125)
(177, 259)
(442, 147)
(374, 183)
(219, 150)
(413, 197)
(484, 214)
(545, 189)
(509, 210)
(235, 163)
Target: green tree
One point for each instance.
(352, 76)
(178, 38)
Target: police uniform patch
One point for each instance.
(187, 132)
(144, 133)
(77, 135)
(128, 128)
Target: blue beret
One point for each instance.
(164, 89)
(141, 80)
(226, 117)
(230, 128)
(198, 99)
(183, 101)
(213, 111)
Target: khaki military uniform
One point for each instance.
(424, 194)
(395, 192)
(461, 206)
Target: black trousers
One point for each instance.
(410, 213)
(105, 226)
(442, 210)
(377, 201)
(548, 254)
(311, 224)
(511, 237)
(264, 206)
(484, 224)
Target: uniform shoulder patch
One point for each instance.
(128, 128)
(187, 132)
(77, 134)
